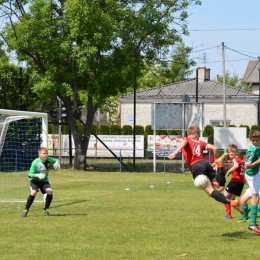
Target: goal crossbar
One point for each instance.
(18, 115)
(22, 141)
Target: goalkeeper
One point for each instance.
(39, 179)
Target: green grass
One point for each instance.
(93, 216)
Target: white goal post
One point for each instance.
(13, 115)
(21, 134)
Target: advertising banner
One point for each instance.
(119, 144)
(164, 144)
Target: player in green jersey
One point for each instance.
(39, 179)
(253, 176)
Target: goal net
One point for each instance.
(21, 134)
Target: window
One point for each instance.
(219, 122)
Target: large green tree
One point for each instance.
(86, 51)
(15, 90)
(168, 70)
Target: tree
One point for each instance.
(234, 81)
(175, 69)
(15, 90)
(87, 51)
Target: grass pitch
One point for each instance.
(97, 215)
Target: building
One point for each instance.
(241, 106)
(251, 75)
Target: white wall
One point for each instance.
(238, 113)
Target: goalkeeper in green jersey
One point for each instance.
(39, 179)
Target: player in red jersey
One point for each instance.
(192, 149)
(236, 184)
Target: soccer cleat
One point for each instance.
(46, 213)
(254, 228)
(24, 214)
(234, 203)
(221, 161)
(227, 217)
(243, 220)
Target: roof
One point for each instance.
(206, 88)
(252, 72)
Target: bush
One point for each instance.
(247, 129)
(174, 132)
(148, 130)
(115, 130)
(81, 128)
(103, 130)
(161, 132)
(139, 130)
(94, 129)
(254, 128)
(232, 126)
(208, 131)
(127, 130)
(211, 139)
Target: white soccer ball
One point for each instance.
(201, 181)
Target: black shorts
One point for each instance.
(235, 188)
(42, 185)
(221, 177)
(203, 167)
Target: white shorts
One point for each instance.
(253, 183)
(250, 194)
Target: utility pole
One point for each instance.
(224, 85)
(59, 148)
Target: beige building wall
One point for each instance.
(236, 113)
(143, 114)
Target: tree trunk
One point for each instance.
(81, 141)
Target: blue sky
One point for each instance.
(234, 22)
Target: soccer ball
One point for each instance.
(201, 181)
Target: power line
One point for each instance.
(204, 49)
(243, 53)
(214, 30)
(220, 61)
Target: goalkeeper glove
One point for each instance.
(40, 175)
(56, 165)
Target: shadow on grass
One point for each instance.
(67, 204)
(65, 215)
(238, 234)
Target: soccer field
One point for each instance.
(98, 215)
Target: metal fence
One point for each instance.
(124, 161)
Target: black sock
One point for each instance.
(220, 197)
(48, 201)
(29, 202)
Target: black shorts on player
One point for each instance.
(39, 185)
(235, 188)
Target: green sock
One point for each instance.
(253, 212)
(258, 208)
(245, 211)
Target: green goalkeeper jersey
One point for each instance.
(252, 154)
(39, 166)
